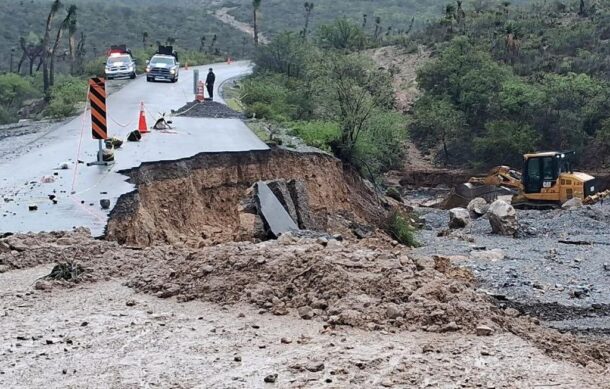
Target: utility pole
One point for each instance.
(12, 55)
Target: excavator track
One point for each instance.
(538, 206)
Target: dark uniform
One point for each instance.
(209, 82)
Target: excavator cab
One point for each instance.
(541, 170)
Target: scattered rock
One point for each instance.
(285, 340)
(271, 378)
(478, 207)
(392, 312)
(105, 203)
(573, 203)
(393, 193)
(33, 207)
(237, 358)
(503, 218)
(306, 313)
(488, 255)
(315, 367)
(458, 218)
(130, 303)
(484, 330)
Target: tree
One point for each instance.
(378, 27)
(582, 9)
(364, 17)
(285, 54)
(72, 42)
(437, 122)
(80, 52)
(355, 91)
(32, 49)
(202, 44)
(60, 30)
(46, 42)
(511, 44)
(256, 4)
(145, 39)
(214, 39)
(505, 142)
(342, 34)
(308, 9)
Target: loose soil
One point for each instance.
(207, 109)
(232, 314)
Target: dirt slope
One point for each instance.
(197, 200)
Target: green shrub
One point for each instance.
(318, 134)
(14, 90)
(65, 94)
(260, 111)
(402, 230)
(380, 146)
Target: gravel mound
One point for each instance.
(207, 109)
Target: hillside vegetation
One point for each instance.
(104, 23)
(507, 81)
(289, 15)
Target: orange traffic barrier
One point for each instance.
(200, 92)
(142, 126)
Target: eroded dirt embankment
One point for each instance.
(197, 200)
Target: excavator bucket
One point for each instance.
(462, 194)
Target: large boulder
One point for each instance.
(503, 218)
(573, 203)
(458, 218)
(478, 206)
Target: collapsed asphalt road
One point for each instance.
(30, 174)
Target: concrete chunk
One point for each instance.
(272, 211)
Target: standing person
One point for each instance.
(209, 82)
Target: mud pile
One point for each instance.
(345, 285)
(197, 201)
(339, 283)
(207, 109)
(369, 284)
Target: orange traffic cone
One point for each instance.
(142, 126)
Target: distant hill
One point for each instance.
(280, 15)
(107, 22)
(110, 22)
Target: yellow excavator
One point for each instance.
(546, 181)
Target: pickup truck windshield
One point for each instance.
(124, 58)
(166, 61)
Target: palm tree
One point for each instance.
(364, 16)
(308, 9)
(256, 4)
(202, 44)
(144, 38)
(46, 41)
